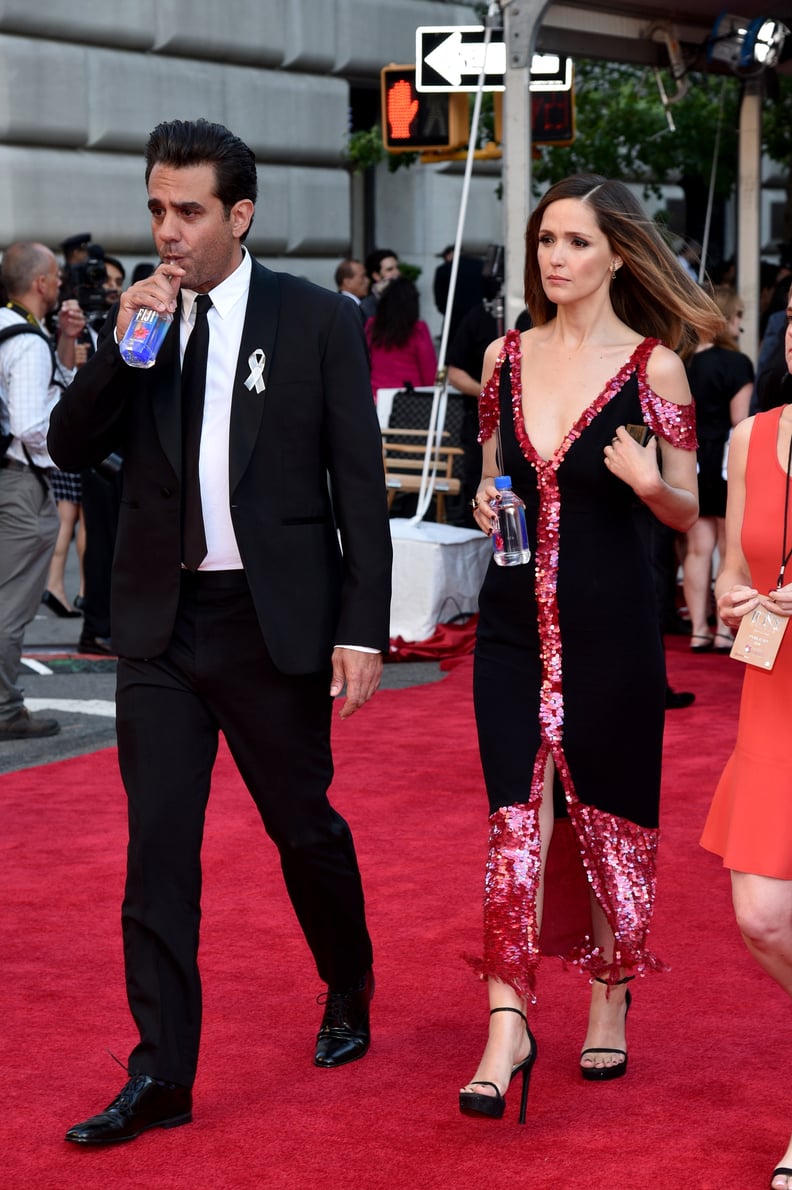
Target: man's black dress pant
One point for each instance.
(216, 675)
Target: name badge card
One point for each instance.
(759, 638)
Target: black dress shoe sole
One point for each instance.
(174, 1122)
(37, 732)
(331, 1065)
(94, 648)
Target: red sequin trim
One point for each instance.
(489, 400)
(675, 423)
(511, 888)
(619, 857)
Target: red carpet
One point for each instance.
(705, 1103)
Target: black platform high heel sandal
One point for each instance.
(54, 604)
(601, 1074)
(493, 1106)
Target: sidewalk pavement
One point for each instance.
(79, 691)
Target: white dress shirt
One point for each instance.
(27, 397)
(226, 319)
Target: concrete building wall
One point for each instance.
(83, 82)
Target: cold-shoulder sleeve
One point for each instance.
(489, 401)
(675, 423)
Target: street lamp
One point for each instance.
(746, 46)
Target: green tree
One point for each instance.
(624, 131)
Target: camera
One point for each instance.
(492, 283)
(493, 264)
(86, 283)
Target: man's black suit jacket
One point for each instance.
(305, 465)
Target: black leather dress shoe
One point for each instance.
(345, 1035)
(22, 726)
(143, 1103)
(95, 646)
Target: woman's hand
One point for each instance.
(482, 511)
(737, 602)
(779, 601)
(634, 464)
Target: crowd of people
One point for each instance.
(60, 306)
(251, 582)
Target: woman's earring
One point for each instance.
(613, 271)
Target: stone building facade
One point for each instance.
(84, 81)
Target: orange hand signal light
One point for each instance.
(414, 121)
(402, 109)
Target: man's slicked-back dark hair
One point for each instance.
(181, 143)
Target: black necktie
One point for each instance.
(193, 389)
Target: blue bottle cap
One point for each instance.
(502, 482)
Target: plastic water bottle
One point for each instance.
(143, 338)
(509, 533)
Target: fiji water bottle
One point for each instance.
(509, 534)
(143, 338)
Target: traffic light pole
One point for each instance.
(521, 22)
(440, 398)
(749, 206)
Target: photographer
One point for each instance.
(114, 282)
(100, 285)
(468, 291)
(85, 279)
(31, 380)
(465, 358)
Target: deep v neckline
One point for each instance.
(584, 419)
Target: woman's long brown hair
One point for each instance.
(651, 292)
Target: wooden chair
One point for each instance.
(403, 453)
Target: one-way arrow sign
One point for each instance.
(449, 58)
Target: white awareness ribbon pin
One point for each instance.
(256, 360)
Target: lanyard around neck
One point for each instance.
(786, 554)
(20, 309)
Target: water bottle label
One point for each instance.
(143, 338)
(509, 533)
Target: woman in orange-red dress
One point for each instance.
(750, 821)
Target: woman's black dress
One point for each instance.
(569, 664)
(715, 375)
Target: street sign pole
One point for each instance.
(521, 22)
(440, 398)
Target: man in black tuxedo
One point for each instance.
(234, 607)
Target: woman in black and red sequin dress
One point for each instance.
(569, 675)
